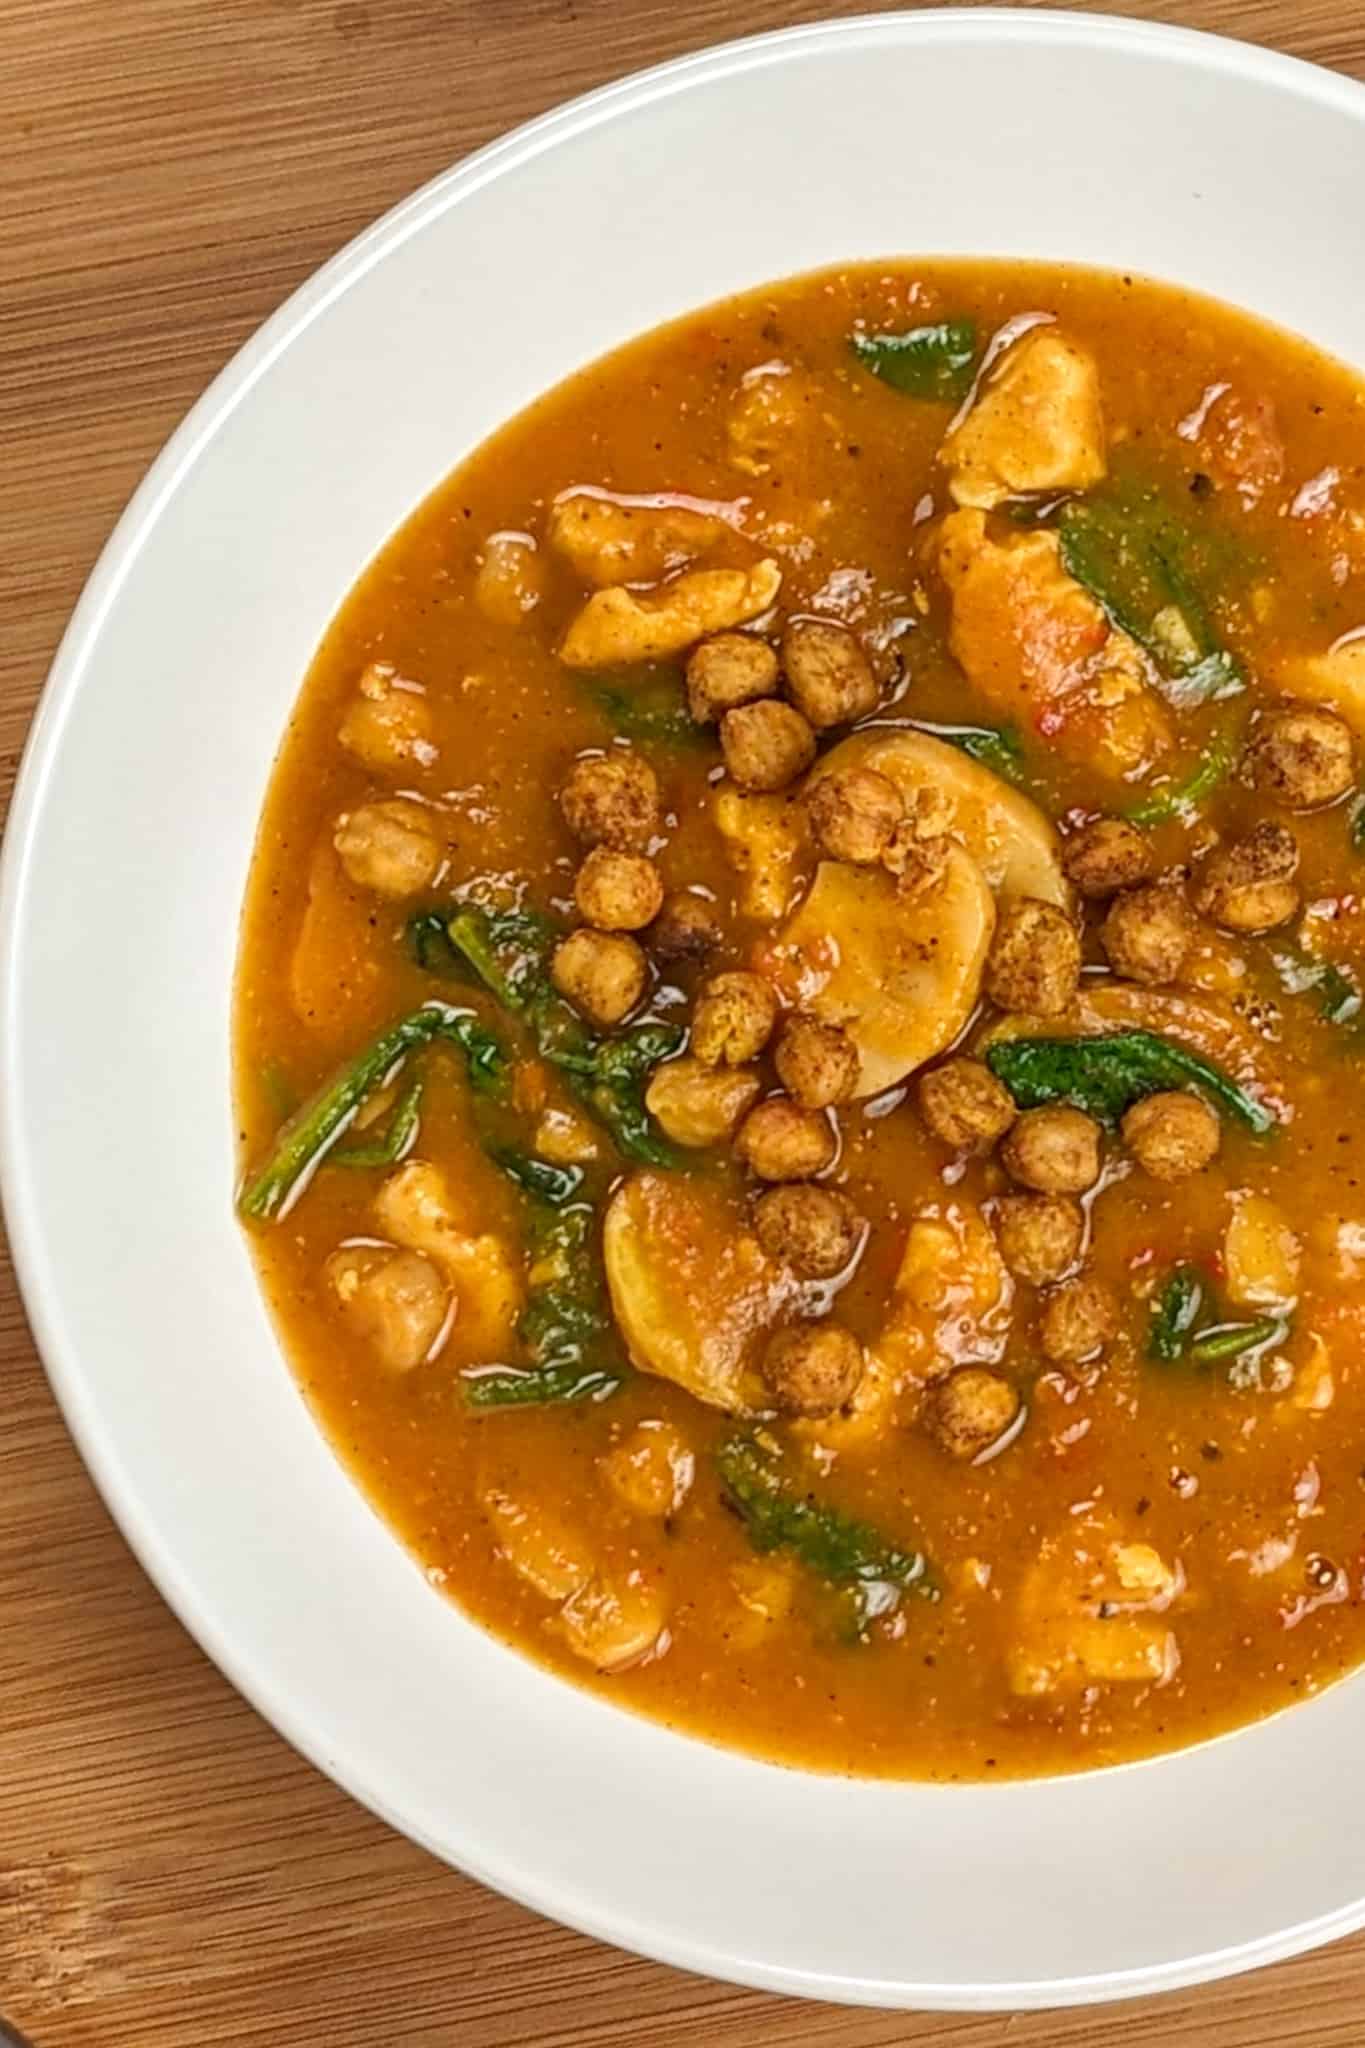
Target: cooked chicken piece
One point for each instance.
(900, 974)
(692, 1290)
(395, 1301)
(388, 722)
(631, 540)
(619, 626)
(943, 791)
(1037, 645)
(1090, 1613)
(697, 1105)
(765, 837)
(1035, 425)
(415, 1208)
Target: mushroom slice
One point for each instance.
(1007, 835)
(901, 973)
(691, 1288)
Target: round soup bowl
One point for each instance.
(1011, 134)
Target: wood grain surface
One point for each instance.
(171, 1875)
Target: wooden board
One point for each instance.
(171, 1875)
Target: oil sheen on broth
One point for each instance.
(799, 1015)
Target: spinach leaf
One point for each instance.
(507, 1386)
(1105, 1076)
(398, 1138)
(1175, 799)
(1357, 815)
(1174, 1314)
(997, 747)
(648, 704)
(926, 362)
(1142, 564)
(1234, 1340)
(553, 1184)
(847, 1554)
(308, 1137)
(1336, 992)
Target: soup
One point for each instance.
(798, 1015)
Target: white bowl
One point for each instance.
(1007, 133)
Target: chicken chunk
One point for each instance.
(1091, 1612)
(611, 540)
(391, 847)
(619, 626)
(1035, 425)
(396, 1302)
(765, 837)
(388, 723)
(415, 1207)
(1039, 647)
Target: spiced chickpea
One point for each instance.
(970, 1410)
(1079, 1319)
(696, 1105)
(1040, 1236)
(1055, 1150)
(611, 800)
(1106, 855)
(964, 1105)
(603, 974)
(817, 1063)
(766, 745)
(728, 670)
(1172, 1134)
(854, 813)
(733, 1020)
(813, 1230)
(617, 892)
(1148, 933)
(813, 1368)
(828, 675)
(687, 928)
(1035, 958)
(1303, 755)
(778, 1140)
(1248, 886)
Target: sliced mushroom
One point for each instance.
(691, 1288)
(1008, 836)
(901, 974)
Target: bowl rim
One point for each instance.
(1215, 54)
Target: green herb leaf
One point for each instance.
(847, 1554)
(1105, 1076)
(553, 1184)
(505, 1386)
(997, 747)
(308, 1137)
(1174, 1315)
(927, 362)
(1178, 799)
(1234, 1340)
(397, 1140)
(649, 704)
(1336, 992)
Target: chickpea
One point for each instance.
(1106, 855)
(779, 1141)
(734, 1018)
(511, 578)
(829, 677)
(1148, 933)
(731, 669)
(1249, 885)
(613, 1622)
(390, 847)
(970, 1410)
(395, 1301)
(1055, 1150)
(1035, 958)
(817, 1063)
(651, 1469)
(1079, 1319)
(964, 1105)
(388, 722)
(1040, 1236)
(815, 1231)
(813, 1369)
(1304, 756)
(687, 928)
(611, 800)
(1172, 1134)
(766, 745)
(617, 892)
(698, 1105)
(918, 859)
(603, 974)
(854, 813)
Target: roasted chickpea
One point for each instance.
(918, 859)
(611, 800)
(1249, 885)
(602, 974)
(687, 928)
(964, 1105)
(766, 745)
(854, 813)
(828, 675)
(1304, 756)
(813, 1369)
(1106, 855)
(780, 1141)
(1078, 1320)
(817, 1063)
(813, 1230)
(1040, 1236)
(731, 669)
(970, 1410)
(1035, 958)
(391, 847)
(697, 1105)
(617, 892)
(1172, 1135)
(1055, 1150)
(733, 1020)
(1148, 933)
